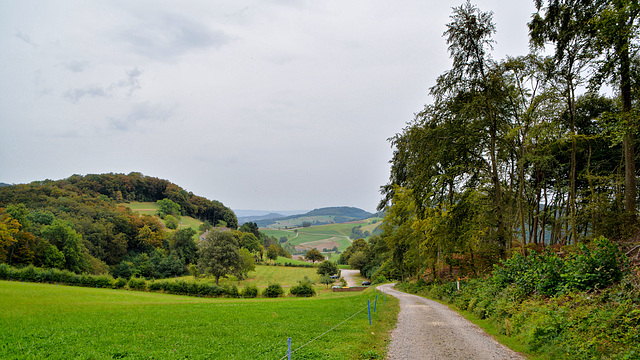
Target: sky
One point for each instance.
(265, 105)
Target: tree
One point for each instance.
(168, 207)
(218, 255)
(617, 25)
(272, 252)
(358, 260)
(247, 263)
(250, 227)
(63, 237)
(327, 280)
(249, 242)
(314, 255)
(171, 222)
(184, 245)
(328, 268)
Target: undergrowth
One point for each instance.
(585, 305)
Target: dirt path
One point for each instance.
(428, 330)
(349, 276)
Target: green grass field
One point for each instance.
(150, 208)
(60, 322)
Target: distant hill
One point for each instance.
(328, 215)
(4, 184)
(256, 218)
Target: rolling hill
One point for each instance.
(322, 216)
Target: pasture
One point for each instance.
(150, 208)
(62, 322)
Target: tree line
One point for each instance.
(522, 152)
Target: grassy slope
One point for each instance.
(39, 320)
(150, 208)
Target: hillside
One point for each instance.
(86, 224)
(322, 216)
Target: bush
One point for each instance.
(304, 288)
(250, 291)
(119, 283)
(273, 291)
(137, 284)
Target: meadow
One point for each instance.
(150, 208)
(62, 322)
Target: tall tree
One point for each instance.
(218, 255)
(617, 25)
(566, 24)
(473, 76)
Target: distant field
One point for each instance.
(150, 208)
(319, 236)
(61, 322)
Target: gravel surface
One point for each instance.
(429, 330)
(348, 275)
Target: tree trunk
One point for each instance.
(628, 141)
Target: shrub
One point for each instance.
(232, 291)
(273, 290)
(119, 283)
(250, 291)
(137, 284)
(304, 288)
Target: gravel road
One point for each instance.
(428, 330)
(348, 275)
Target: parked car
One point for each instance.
(365, 283)
(334, 276)
(336, 287)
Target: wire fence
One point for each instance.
(324, 333)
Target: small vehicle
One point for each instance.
(334, 276)
(366, 283)
(336, 287)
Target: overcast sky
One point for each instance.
(273, 105)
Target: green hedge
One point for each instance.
(180, 287)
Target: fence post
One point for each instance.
(375, 304)
(458, 284)
(369, 306)
(289, 352)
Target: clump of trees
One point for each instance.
(522, 152)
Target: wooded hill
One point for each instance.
(322, 216)
(79, 224)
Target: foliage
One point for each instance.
(304, 288)
(218, 255)
(273, 290)
(250, 291)
(583, 305)
(328, 268)
(314, 255)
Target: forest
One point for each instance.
(525, 152)
(81, 224)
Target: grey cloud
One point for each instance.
(167, 36)
(142, 113)
(128, 85)
(24, 37)
(76, 66)
(93, 91)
